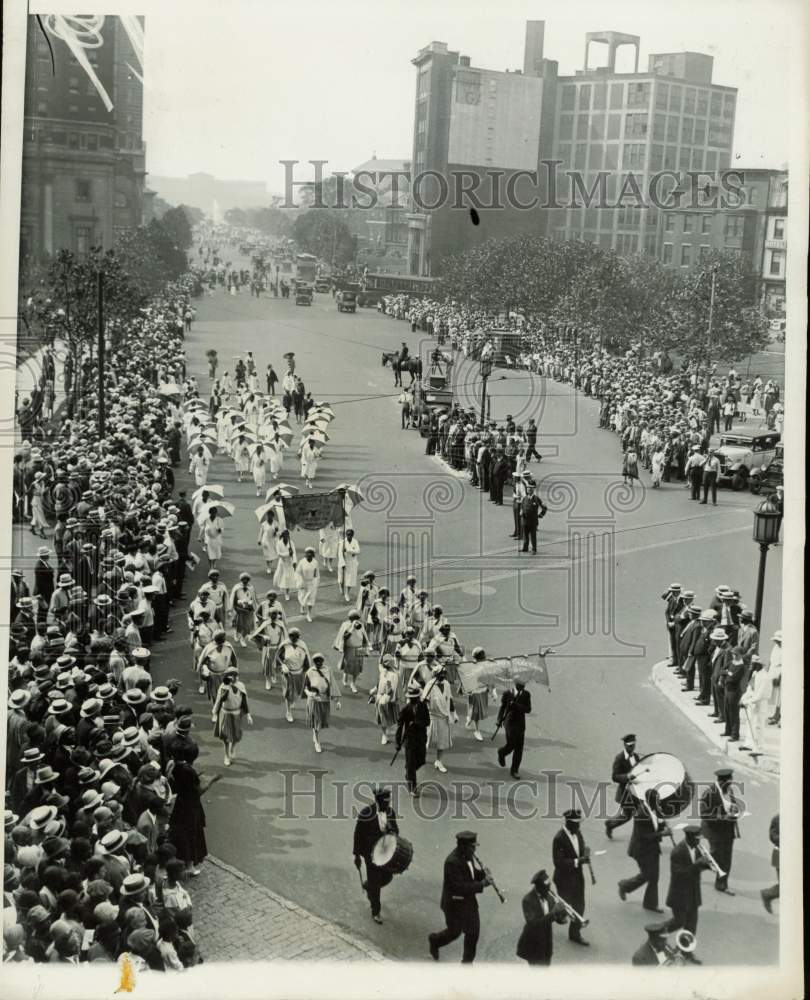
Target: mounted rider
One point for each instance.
(403, 353)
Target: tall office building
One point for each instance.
(471, 124)
(83, 165)
(671, 117)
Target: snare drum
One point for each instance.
(392, 853)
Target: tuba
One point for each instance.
(685, 943)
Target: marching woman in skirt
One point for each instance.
(385, 698)
(241, 456)
(328, 542)
(310, 455)
(269, 636)
(212, 536)
(198, 466)
(348, 563)
(308, 578)
(243, 608)
(285, 577)
(477, 700)
(352, 642)
(230, 707)
(380, 610)
(321, 689)
(202, 633)
(293, 660)
(439, 698)
(630, 465)
(268, 534)
(258, 466)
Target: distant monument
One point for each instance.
(216, 213)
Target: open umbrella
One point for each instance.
(353, 493)
(213, 489)
(281, 488)
(170, 389)
(194, 404)
(261, 512)
(206, 450)
(224, 509)
(319, 436)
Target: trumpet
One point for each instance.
(488, 874)
(704, 852)
(570, 911)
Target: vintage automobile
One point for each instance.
(743, 453)
(346, 300)
(303, 294)
(766, 480)
(322, 283)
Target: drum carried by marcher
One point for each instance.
(392, 854)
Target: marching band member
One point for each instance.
(449, 651)
(373, 822)
(384, 696)
(516, 704)
(463, 880)
(623, 764)
(321, 689)
(687, 862)
(719, 811)
(536, 942)
(645, 849)
(215, 659)
(570, 854)
(243, 607)
(293, 659)
(351, 642)
(269, 636)
(230, 706)
(439, 697)
(412, 729)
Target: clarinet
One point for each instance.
(488, 873)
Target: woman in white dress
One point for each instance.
(308, 580)
(253, 381)
(258, 466)
(251, 409)
(657, 465)
(230, 707)
(328, 544)
(442, 714)
(348, 563)
(268, 533)
(310, 454)
(223, 429)
(241, 456)
(39, 522)
(285, 576)
(276, 456)
(198, 466)
(243, 609)
(212, 536)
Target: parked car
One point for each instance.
(743, 453)
(766, 480)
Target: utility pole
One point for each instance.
(101, 350)
(709, 333)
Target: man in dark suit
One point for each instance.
(686, 638)
(645, 849)
(463, 880)
(700, 648)
(733, 677)
(570, 855)
(684, 897)
(772, 893)
(682, 619)
(674, 604)
(372, 823)
(532, 509)
(720, 662)
(654, 950)
(623, 764)
(43, 581)
(516, 704)
(536, 942)
(719, 811)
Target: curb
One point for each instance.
(662, 678)
(367, 950)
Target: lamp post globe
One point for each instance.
(766, 532)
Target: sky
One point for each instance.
(232, 88)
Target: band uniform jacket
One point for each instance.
(684, 884)
(459, 891)
(622, 766)
(568, 875)
(536, 941)
(412, 727)
(515, 706)
(645, 955)
(645, 841)
(718, 825)
(367, 830)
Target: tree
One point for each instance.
(175, 223)
(322, 232)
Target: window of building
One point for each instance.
(592, 218)
(702, 103)
(614, 127)
(92, 141)
(632, 156)
(687, 127)
(659, 128)
(700, 133)
(686, 255)
(597, 126)
(597, 156)
(667, 253)
(616, 95)
(753, 196)
(697, 159)
(675, 97)
(564, 154)
(778, 229)
(704, 251)
(568, 99)
(566, 127)
(638, 95)
(688, 223)
(728, 106)
(734, 227)
(689, 100)
(777, 263)
(683, 158)
(612, 156)
(73, 109)
(585, 97)
(656, 157)
(83, 191)
(711, 161)
(600, 96)
(723, 160)
(81, 240)
(606, 240)
(635, 126)
(582, 127)
(706, 225)
(672, 128)
(121, 200)
(715, 105)
(73, 140)
(669, 223)
(581, 156)
(661, 95)
(670, 157)
(423, 82)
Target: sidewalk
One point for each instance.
(29, 371)
(236, 919)
(669, 684)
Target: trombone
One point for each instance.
(704, 852)
(570, 911)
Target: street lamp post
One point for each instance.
(766, 532)
(486, 371)
(101, 353)
(709, 333)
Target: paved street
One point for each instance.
(592, 593)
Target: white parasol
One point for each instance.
(213, 489)
(224, 509)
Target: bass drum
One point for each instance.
(660, 780)
(392, 854)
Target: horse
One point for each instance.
(412, 365)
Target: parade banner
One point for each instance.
(504, 671)
(313, 511)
